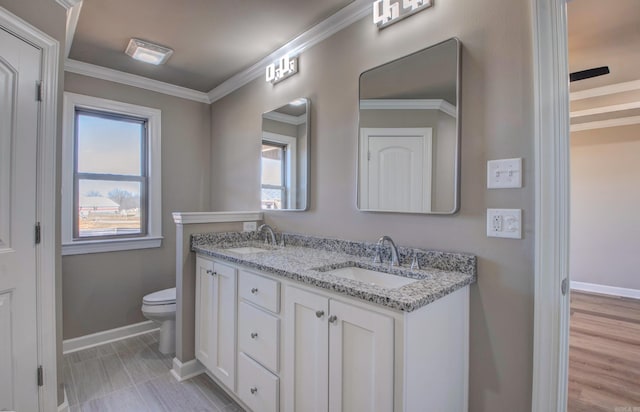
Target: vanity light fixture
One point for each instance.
(283, 68)
(387, 12)
(148, 52)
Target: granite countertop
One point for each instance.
(307, 259)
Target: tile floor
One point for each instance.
(131, 375)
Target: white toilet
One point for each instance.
(161, 307)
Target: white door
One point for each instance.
(19, 73)
(306, 352)
(222, 332)
(361, 372)
(396, 169)
(204, 308)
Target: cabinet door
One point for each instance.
(204, 308)
(222, 336)
(361, 359)
(306, 363)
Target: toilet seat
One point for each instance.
(161, 298)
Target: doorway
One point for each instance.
(604, 340)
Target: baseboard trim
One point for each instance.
(112, 335)
(605, 290)
(64, 406)
(187, 370)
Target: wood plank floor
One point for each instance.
(132, 375)
(604, 354)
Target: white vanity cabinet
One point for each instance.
(216, 310)
(338, 357)
(300, 348)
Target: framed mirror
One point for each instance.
(285, 157)
(409, 133)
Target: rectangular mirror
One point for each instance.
(409, 133)
(285, 157)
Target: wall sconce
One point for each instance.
(282, 69)
(387, 12)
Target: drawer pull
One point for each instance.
(209, 272)
(254, 390)
(254, 335)
(319, 313)
(254, 291)
(333, 318)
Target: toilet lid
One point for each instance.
(161, 297)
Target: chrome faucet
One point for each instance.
(271, 234)
(395, 261)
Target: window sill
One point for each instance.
(110, 245)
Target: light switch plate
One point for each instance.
(504, 173)
(249, 226)
(505, 223)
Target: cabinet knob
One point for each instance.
(319, 313)
(209, 272)
(254, 335)
(254, 291)
(254, 390)
(333, 318)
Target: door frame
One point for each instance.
(551, 169)
(46, 205)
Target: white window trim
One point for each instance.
(154, 229)
(291, 163)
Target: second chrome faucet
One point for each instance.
(395, 260)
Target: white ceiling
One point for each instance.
(212, 39)
(604, 33)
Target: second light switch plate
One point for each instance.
(504, 173)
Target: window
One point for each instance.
(274, 189)
(111, 176)
(278, 181)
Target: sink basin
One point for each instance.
(246, 250)
(372, 277)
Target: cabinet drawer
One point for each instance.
(262, 291)
(258, 334)
(257, 387)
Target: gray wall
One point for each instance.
(51, 18)
(604, 206)
(104, 290)
(497, 122)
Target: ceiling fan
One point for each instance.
(589, 73)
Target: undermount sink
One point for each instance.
(246, 250)
(372, 277)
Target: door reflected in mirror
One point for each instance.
(409, 133)
(285, 157)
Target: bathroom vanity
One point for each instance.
(316, 326)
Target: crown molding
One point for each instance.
(409, 104)
(603, 124)
(605, 90)
(99, 72)
(605, 109)
(67, 4)
(73, 14)
(286, 118)
(333, 24)
(184, 218)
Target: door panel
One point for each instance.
(19, 73)
(306, 352)
(223, 324)
(397, 169)
(361, 363)
(204, 292)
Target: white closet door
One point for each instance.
(19, 73)
(396, 168)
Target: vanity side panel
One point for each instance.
(436, 355)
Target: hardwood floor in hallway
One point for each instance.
(604, 354)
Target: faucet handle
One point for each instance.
(415, 265)
(377, 258)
